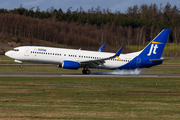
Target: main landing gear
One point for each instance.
(85, 71)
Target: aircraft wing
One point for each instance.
(99, 62)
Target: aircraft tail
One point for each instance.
(155, 48)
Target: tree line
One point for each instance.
(135, 16)
(74, 34)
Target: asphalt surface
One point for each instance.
(78, 75)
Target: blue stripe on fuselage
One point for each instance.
(139, 63)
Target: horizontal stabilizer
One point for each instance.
(157, 60)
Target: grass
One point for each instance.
(172, 61)
(89, 98)
(52, 69)
(162, 70)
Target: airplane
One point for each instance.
(75, 59)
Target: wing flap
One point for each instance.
(98, 62)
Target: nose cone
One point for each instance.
(8, 54)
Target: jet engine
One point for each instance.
(70, 64)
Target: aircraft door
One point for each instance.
(138, 62)
(26, 52)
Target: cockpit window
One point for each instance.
(15, 49)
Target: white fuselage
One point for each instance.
(50, 55)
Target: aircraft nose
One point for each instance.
(7, 54)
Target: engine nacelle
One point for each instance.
(70, 64)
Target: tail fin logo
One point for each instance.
(153, 48)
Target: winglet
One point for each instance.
(119, 52)
(101, 48)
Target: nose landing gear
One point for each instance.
(21, 66)
(85, 71)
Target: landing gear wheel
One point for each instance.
(85, 71)
(20, 66)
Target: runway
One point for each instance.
(79, 75)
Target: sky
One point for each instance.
(113, 5)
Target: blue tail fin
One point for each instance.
(155, 48)
(101, 48)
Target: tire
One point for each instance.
(20, 66)
(86, 71)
